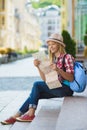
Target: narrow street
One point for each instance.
(18, 75)
(20, 68)
(16, 81)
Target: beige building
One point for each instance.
(6, 23)
(64, 21)
(18, 27)
(27, 28)
(68, 15)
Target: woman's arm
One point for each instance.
(41, 74)
(65, 75)
(37, 63)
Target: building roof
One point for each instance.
(43, 11)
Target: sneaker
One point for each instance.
(10, 120)
(25, 118)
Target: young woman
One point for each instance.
(40, 90)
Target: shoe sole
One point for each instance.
(5, 123)
(23, 120)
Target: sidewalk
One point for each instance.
(19, 68)
(16, 81)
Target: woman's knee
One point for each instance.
(38, 84)
(35, 85)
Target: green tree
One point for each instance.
(69, 42)
(85, 37)
(44, 3)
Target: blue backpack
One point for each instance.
(79, 83)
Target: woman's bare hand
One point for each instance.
(36, 62)
(53, 66)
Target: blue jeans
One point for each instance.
(41, 91)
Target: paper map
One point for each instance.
(51, 75)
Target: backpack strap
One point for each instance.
(65, 82)
(63, 62)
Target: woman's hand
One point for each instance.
(53, 67)
(36, 62)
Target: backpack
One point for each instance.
(79, 83)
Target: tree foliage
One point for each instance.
(85, 37)
(44, 3)
(69, 42)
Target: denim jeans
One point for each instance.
(41, 91)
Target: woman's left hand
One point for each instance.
(53, 66)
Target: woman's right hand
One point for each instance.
(36, 62)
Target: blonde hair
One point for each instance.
(61, 51)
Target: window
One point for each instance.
(49, 33)
(63, 2)
(3, 20)
(3, 4)
(50, 21)
(49, 27)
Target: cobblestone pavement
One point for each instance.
(16, 80)
(19, 75)
(20, 68)
(17, 83)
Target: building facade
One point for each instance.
(6, 23)
(27, 28)
(74, 18)
(80, 19)
(19, 28)
(64, 14)
(50, 21)
(68, 16)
